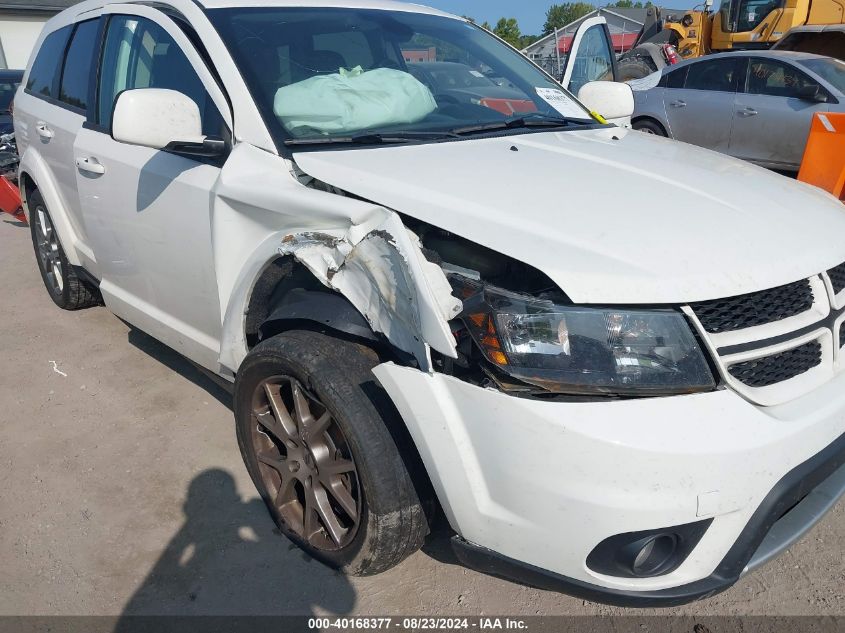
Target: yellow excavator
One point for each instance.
(737, 25)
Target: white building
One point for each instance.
(21, 22)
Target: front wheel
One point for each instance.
(649, 127)
(319, 450)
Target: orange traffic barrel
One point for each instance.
(824, 159)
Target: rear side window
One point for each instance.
(138, 53)
(45, 69)
(77, 70)
(718, 75)
(675, 79)
(772, 78)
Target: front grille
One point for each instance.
(837, 278)
(770, 370)
(757, 308)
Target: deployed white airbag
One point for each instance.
(354, 100)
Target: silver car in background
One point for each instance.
(754, 105)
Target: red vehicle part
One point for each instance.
(10, 199)
(510, 106)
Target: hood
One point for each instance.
(612, 216)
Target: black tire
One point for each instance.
(338, 374)
(648, 126)
(633, 68)
(65, 287)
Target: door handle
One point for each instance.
(43, 130)
(748, 112)
(90, 165)
(678, 104)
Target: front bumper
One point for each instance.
(771, 530)
(532, 487)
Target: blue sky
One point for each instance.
(530, 13)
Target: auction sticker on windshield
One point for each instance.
(561, 102)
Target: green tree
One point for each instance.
(527, 40)
(559, 15)
(486, 26)
(508, 30)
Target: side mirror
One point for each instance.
(162, 119)
(812, 92)
(610, 99)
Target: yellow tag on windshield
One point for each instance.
(598, 117)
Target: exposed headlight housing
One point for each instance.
(579, 350)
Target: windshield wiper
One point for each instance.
(374, 138)
(522, 122)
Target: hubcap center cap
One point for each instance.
(294, 467)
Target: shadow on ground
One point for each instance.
(229, 559)
(174, 361)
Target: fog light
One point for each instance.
(655, 554)
(646, 554)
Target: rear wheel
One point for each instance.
(318, 448)
(65, 287)
(649, 127)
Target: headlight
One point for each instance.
(578, 350)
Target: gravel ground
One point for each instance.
(123, 492)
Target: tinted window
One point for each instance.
(45, 68)
(831, 70)
(717, 74)
(767, 77)
(594, 60)
(752, 13)
(7, 93)
(77, 70)
(675, 79)
(138, 53)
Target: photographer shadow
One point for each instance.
(228, 559)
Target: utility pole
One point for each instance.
(557, 50)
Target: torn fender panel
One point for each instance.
(260, 210)
(385, 275)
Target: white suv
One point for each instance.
(614, 361)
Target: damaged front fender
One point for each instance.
(384, 274)
(262, 211)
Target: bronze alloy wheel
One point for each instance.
(306, 464)
(327, 452)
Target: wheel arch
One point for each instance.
(34, 174)
(277, 294)
(651, 119)
(287, 296)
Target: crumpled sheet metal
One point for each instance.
(379, 266)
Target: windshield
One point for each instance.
(324, 74)
(741, 16)
(831, 70)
